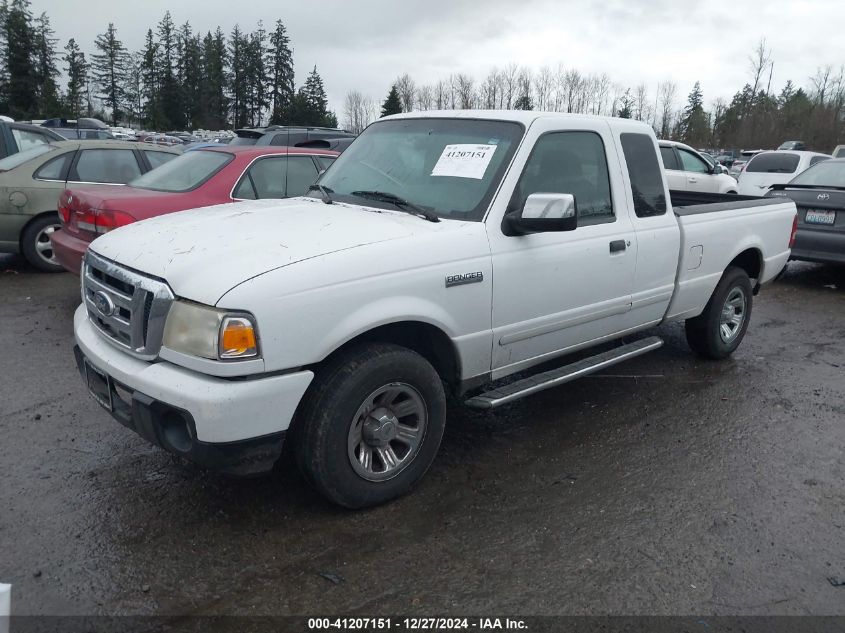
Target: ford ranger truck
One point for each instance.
(440, 253)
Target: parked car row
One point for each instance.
(33, 179)
(196, 179)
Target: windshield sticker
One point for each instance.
(464, 160)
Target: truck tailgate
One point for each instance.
(713, 235)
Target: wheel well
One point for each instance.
(425, 339)
(751, 261)
(29, 222)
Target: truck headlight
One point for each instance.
(210, 333)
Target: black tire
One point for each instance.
(323, 430)
(33, 236)
(704, 332)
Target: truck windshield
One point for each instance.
(450, 167)
(184, 173)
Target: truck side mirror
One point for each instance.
(544, 212)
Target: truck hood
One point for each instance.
(203, 253)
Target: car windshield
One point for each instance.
(16, 160)
(447, 166)
(183, 173)
(825, 174)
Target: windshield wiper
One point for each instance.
(399, 203)
(324, 191)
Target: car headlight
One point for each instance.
(210, 333)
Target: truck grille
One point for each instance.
(128, 308)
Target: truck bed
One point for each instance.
(715, 229)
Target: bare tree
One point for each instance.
(543, 86)
(359, 111)
(465, 89)
(407, 92)
(510, 76)
(667, 92)
(441, 95)
(642, 105)
(759, 63)
(425, 97)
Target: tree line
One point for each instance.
(180, 79)
(756, 117)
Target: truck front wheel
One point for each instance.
(370, 425)
(719, 330)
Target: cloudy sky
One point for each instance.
(365, 44)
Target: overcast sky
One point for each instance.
(365, 44)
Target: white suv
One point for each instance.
(687, 170)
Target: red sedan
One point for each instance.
(198, 178)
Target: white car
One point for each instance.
(687, 170)
(775, 168)
(441, 251)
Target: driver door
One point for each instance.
(556, 291)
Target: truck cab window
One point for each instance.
(569, 162)
(644, 173)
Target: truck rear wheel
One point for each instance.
(719, 330)
(370, 424)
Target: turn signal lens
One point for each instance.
(237, 338)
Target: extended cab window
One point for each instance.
(569, 162)
(107, 165)
(644, 174)
(693, 163)
(670, 161)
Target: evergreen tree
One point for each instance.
(280, 64)
(393, 104)
(150, 83)
(4, 57)
(45, 68)
(169, 95)
(315, 101)
(190, 76)
(256, 51)
(694, 126)
(626, 106)
(77, 74)
(239, 76)
(110, 68)
(20, 57)
(134, 88)
(213, 85)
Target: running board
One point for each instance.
(567, 373)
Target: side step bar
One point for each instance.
(567, 373)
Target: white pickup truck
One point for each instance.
(440, 253)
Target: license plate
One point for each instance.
(98, 385)
(820, 217)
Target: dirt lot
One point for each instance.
(669, 485)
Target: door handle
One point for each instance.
(617, 246)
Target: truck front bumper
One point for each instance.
(237, 426)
